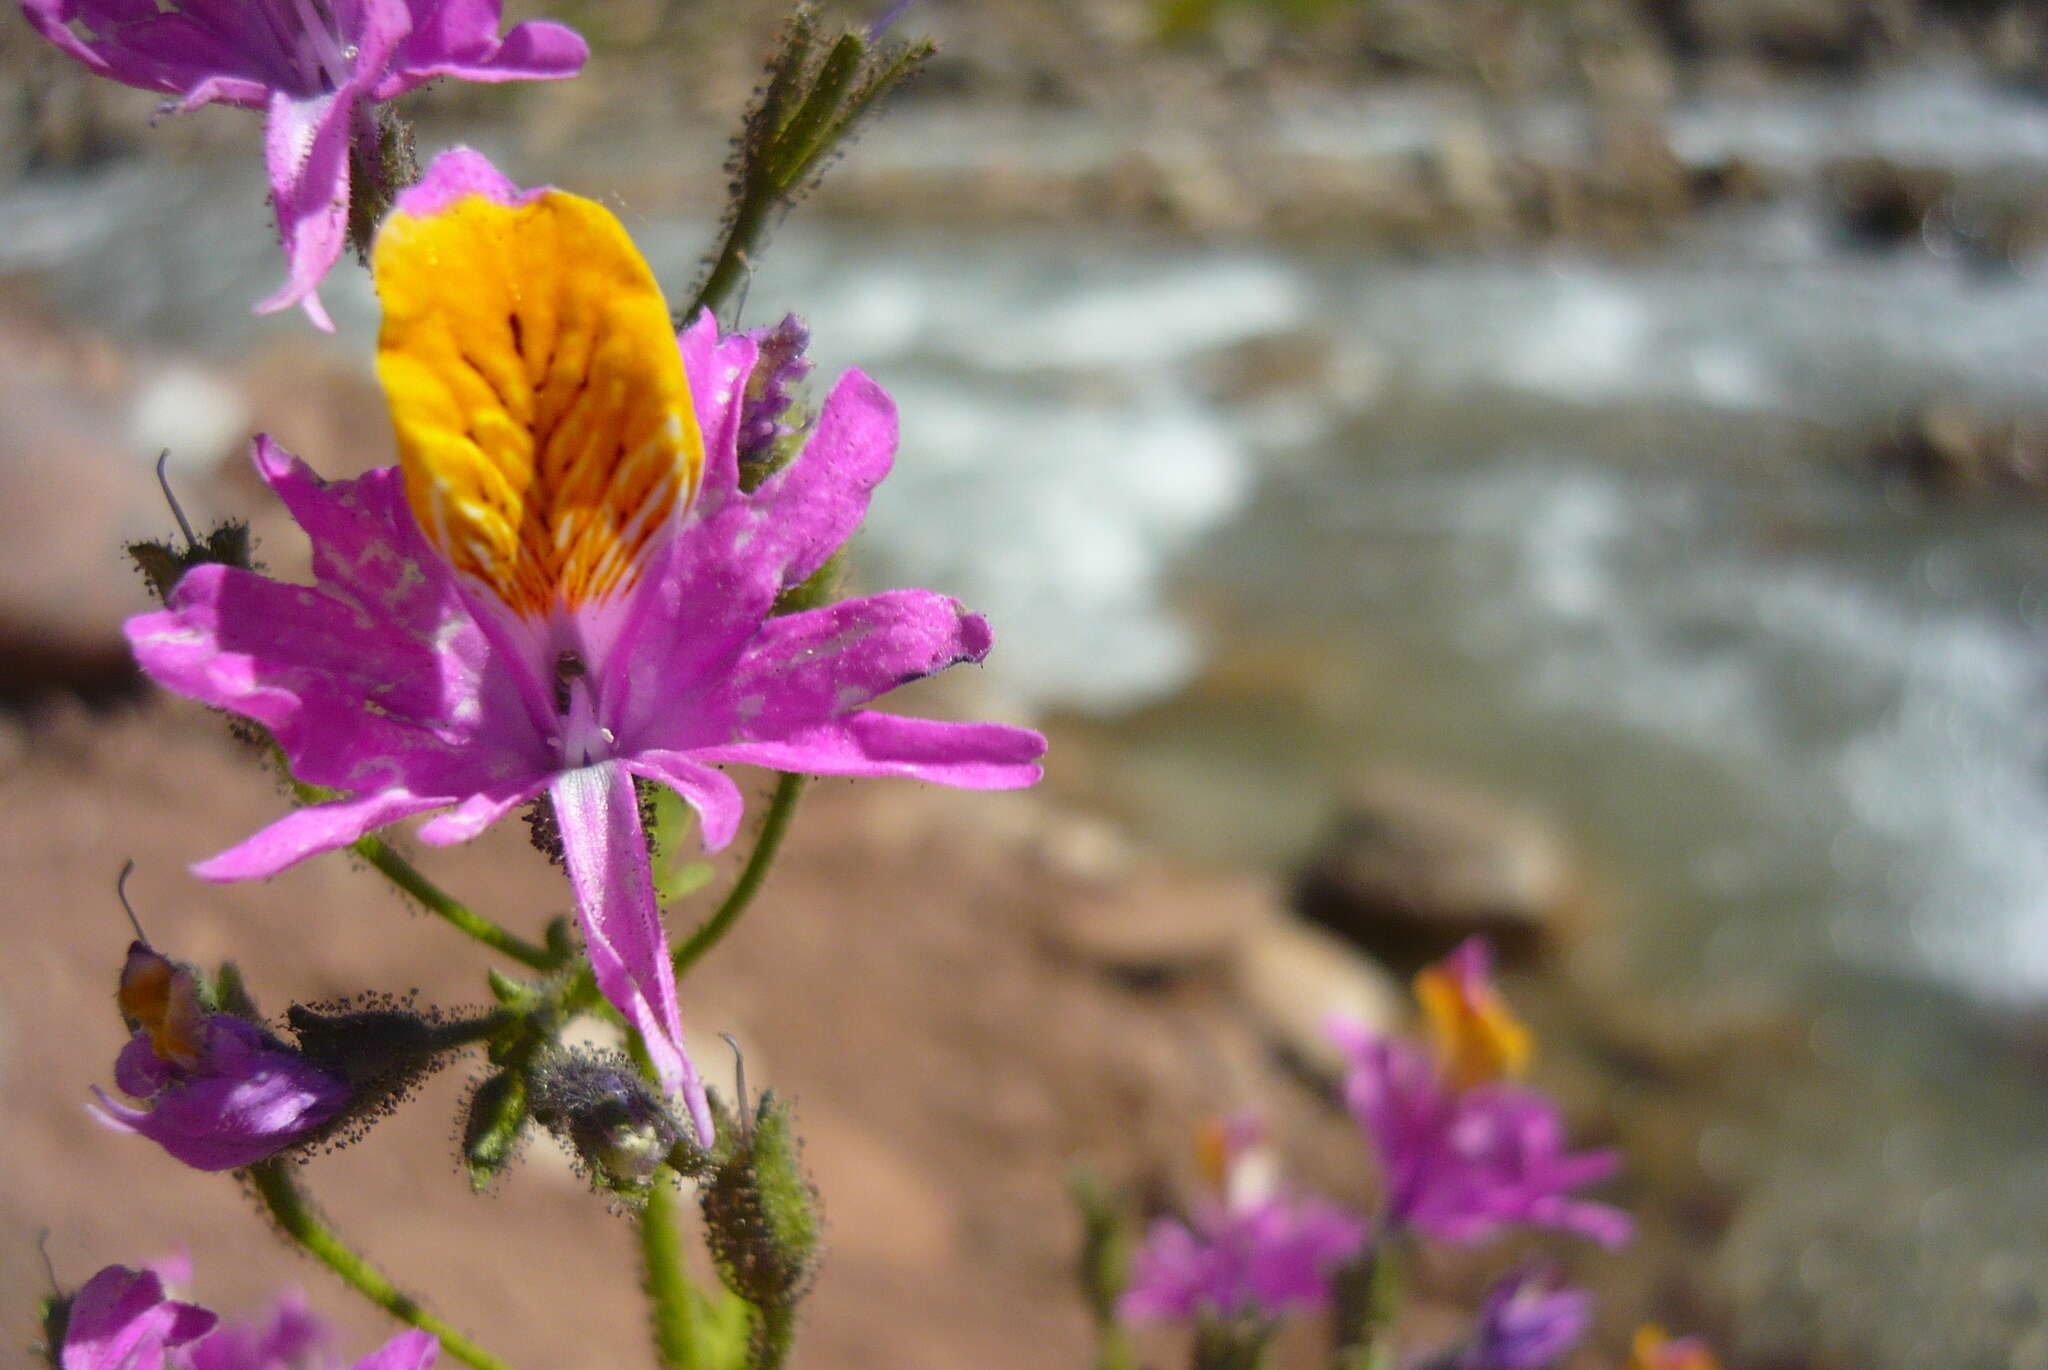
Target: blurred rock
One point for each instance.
(1949, 447)
(1292, 977)
(73, 489)
(1163, 922)
(1881, 203)
(1412, 865)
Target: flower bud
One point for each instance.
(610, 1116)
(779, 367)
(220, 1091)
(382, 1049)
(496, 1124)
(761, 1210)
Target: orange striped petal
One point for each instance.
(161, 997)
(544, 422)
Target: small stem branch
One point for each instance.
(781, 809)
(441, 904)
(295, 1216)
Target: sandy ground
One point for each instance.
(947, 1066)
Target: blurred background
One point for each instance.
(1571, 469)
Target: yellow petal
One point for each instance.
(1477, 1038)
(544, 422)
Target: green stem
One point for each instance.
(441, 904)
(295, 1216)
(736, 252)
(672, 1297)
(430, 896)
(781, 809)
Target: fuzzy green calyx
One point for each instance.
(761, 1210)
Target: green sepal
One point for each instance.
(163, 564)
(560, 937)
(54, 1317)
(229, 993)
(497, 1120)
(506, 990)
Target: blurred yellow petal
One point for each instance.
(1477, 1039)
(1652, 1349)
(544, 422)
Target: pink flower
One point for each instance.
(1251, 1250)
(247, 1098)
(1463, 1153)
(221, 1093)
(536, 603)
(121, 1320)
(316, 67)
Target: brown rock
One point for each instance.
(1413, 865)
(1162, 923)
(1292, 977)
(1949, 446)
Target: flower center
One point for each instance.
(583, 739)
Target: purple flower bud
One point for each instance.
(779, 366)
(1528, 1322)
(244, 1098)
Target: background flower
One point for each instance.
(315, 67)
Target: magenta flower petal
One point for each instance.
(711, 792)
(969, 756)
(307, 832)
(1259, 1260)
(480, 810)
(801, 669)
(288, 1339)
(605, 849)
(305, 146)
(413, 1350)
(1462, 1166)
(459, 38)
(458, 172)
(120, 1320)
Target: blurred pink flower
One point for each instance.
(1460, 1160)
(1249, 1250)
(122, 1320)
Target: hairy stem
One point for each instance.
(430, 896)
(673, 1299)
(296, 1217)
(781, 809)
(441, 904)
